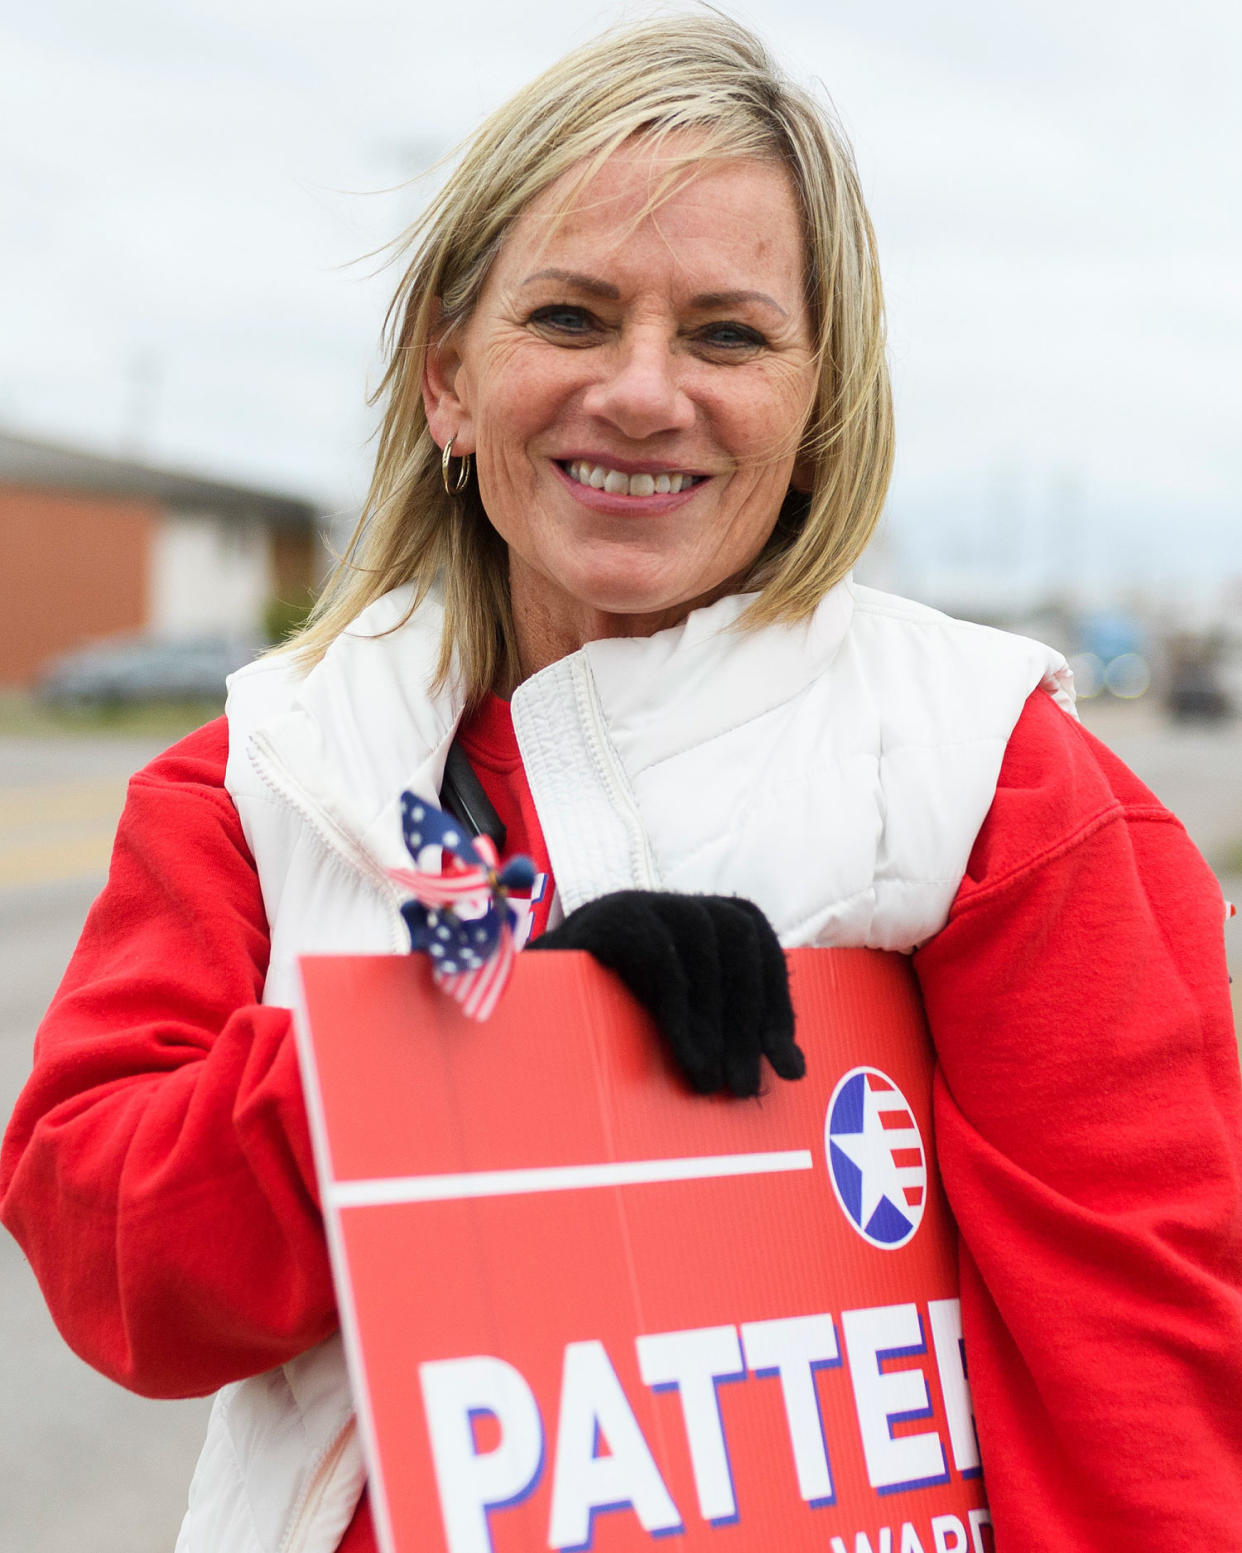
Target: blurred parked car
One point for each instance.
(1195, 692)
(121, 671)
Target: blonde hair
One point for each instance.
(701, 72)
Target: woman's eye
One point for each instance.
(730, 338)
(574, 322)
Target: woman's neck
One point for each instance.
(550, 624)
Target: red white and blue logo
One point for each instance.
(876, 1158)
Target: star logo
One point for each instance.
(876, 1158)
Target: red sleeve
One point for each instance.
(1089, 1127)
(157, 1169)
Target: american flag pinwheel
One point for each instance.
(460, 916)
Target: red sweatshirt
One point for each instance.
(158, 1166)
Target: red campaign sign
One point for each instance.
(585, 1308)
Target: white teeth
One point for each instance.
(617, 483)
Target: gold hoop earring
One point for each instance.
(455, 486)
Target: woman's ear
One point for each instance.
(445, 398)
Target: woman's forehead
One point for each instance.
(648, 203)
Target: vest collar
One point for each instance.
(690, 663)
(363, 725)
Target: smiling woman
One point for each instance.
(636, 430)
(664, 202)
(634, 382)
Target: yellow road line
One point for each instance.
(63, 801)
(48, 862)
(58, 831)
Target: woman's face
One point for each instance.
(634, 392)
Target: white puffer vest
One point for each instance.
(835, 772)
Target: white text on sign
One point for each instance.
(475, 1484)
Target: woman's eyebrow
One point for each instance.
(580, 282)
(709, 300)
(706, 301)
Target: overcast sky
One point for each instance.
(1054, 185)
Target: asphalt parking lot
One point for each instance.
(86, 1465)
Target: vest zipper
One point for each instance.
(642, 864)
(295, 1538)
(330, 836)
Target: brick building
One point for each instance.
(94, 546)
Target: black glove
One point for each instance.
(709, 971)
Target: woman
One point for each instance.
(637, 431)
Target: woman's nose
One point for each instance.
(639, 390)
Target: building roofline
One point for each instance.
(60, 466)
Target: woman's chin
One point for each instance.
(632, 605)
(582, 597)
(641, 585)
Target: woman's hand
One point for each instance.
(709, 971)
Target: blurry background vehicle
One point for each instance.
(1195, 691)
(123, 671)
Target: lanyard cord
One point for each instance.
(462, 796)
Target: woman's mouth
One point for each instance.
(615, 482)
